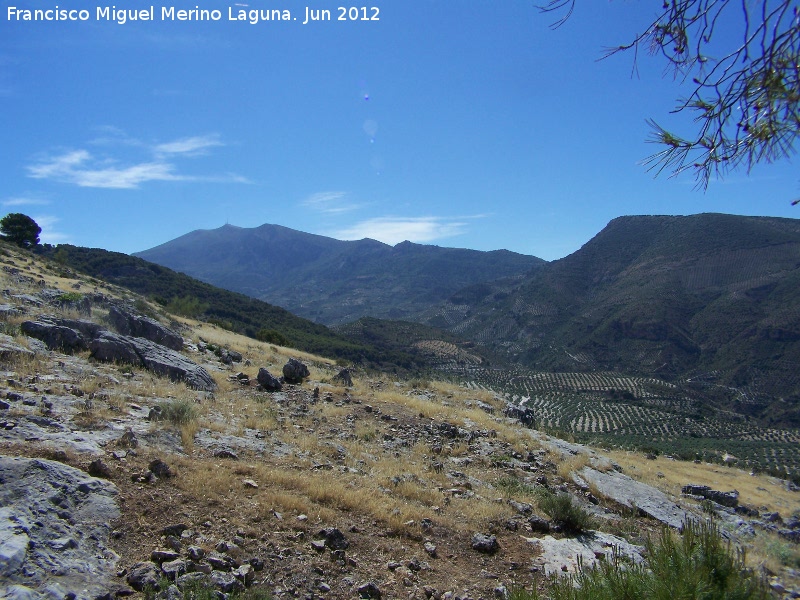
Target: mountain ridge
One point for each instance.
(332, 281)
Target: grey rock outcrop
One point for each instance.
(268, 382)
(55, 337)
(485, 543)
(559, 556)
(633, 494)
(139, 326)
(54, 530)
(294, 371)
(520, 412)
(729, 499)
(9, 348)
(110, 347)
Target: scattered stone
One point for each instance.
(144, 575)
(538, 524)
(162, 555)
(128, 440)
(294, 371)
(250, 483)
(522, 508)
(226, 453)
(174, 568)
(196, 553)
(174, 530)
(160, 469)
(268, 382)
(226, 582)
(343, 377)
(430, 548)
(97, 468)
(334, 538)
(369, 590)
(485, 543)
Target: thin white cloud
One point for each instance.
(190, 146)
(82, 168)
(22, 201)
(330, 202)
(49, 233)
(393, 230)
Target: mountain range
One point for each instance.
(710, 300)
(331, 281)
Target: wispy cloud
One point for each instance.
(24, 201)
(190, 146)
(393, 230)
(50, 235)
(84, 169)
(330, 202)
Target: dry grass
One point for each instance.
(761, 491)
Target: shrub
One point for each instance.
(561, 509)
(187, 306)
(270, 336)
(178, 412)
(699, 565)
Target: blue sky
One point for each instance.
(462, 123)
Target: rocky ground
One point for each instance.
(117, 478)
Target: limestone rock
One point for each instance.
(485, 543)
(134, 325)
(294, 371)
(55, 337)
(54, 528)
(631, 493)
(268, 382)
(111, 347)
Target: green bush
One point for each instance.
(562, 511)
(699, 565)
(270, 336)
(178, 412)
(187, 306)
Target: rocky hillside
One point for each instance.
(331, 281)
(707, 299)
(285, 477)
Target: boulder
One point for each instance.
(523, 414)
(729, 499)
(134, 325)
(111, 347)
(55, 337)
(344, 377)
(267, 381)
(294, 371)
(485, 543)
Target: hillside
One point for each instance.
(120, 482)
(233, 311)
(710, 300)
(332, 281)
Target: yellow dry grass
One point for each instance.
(760, 491)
